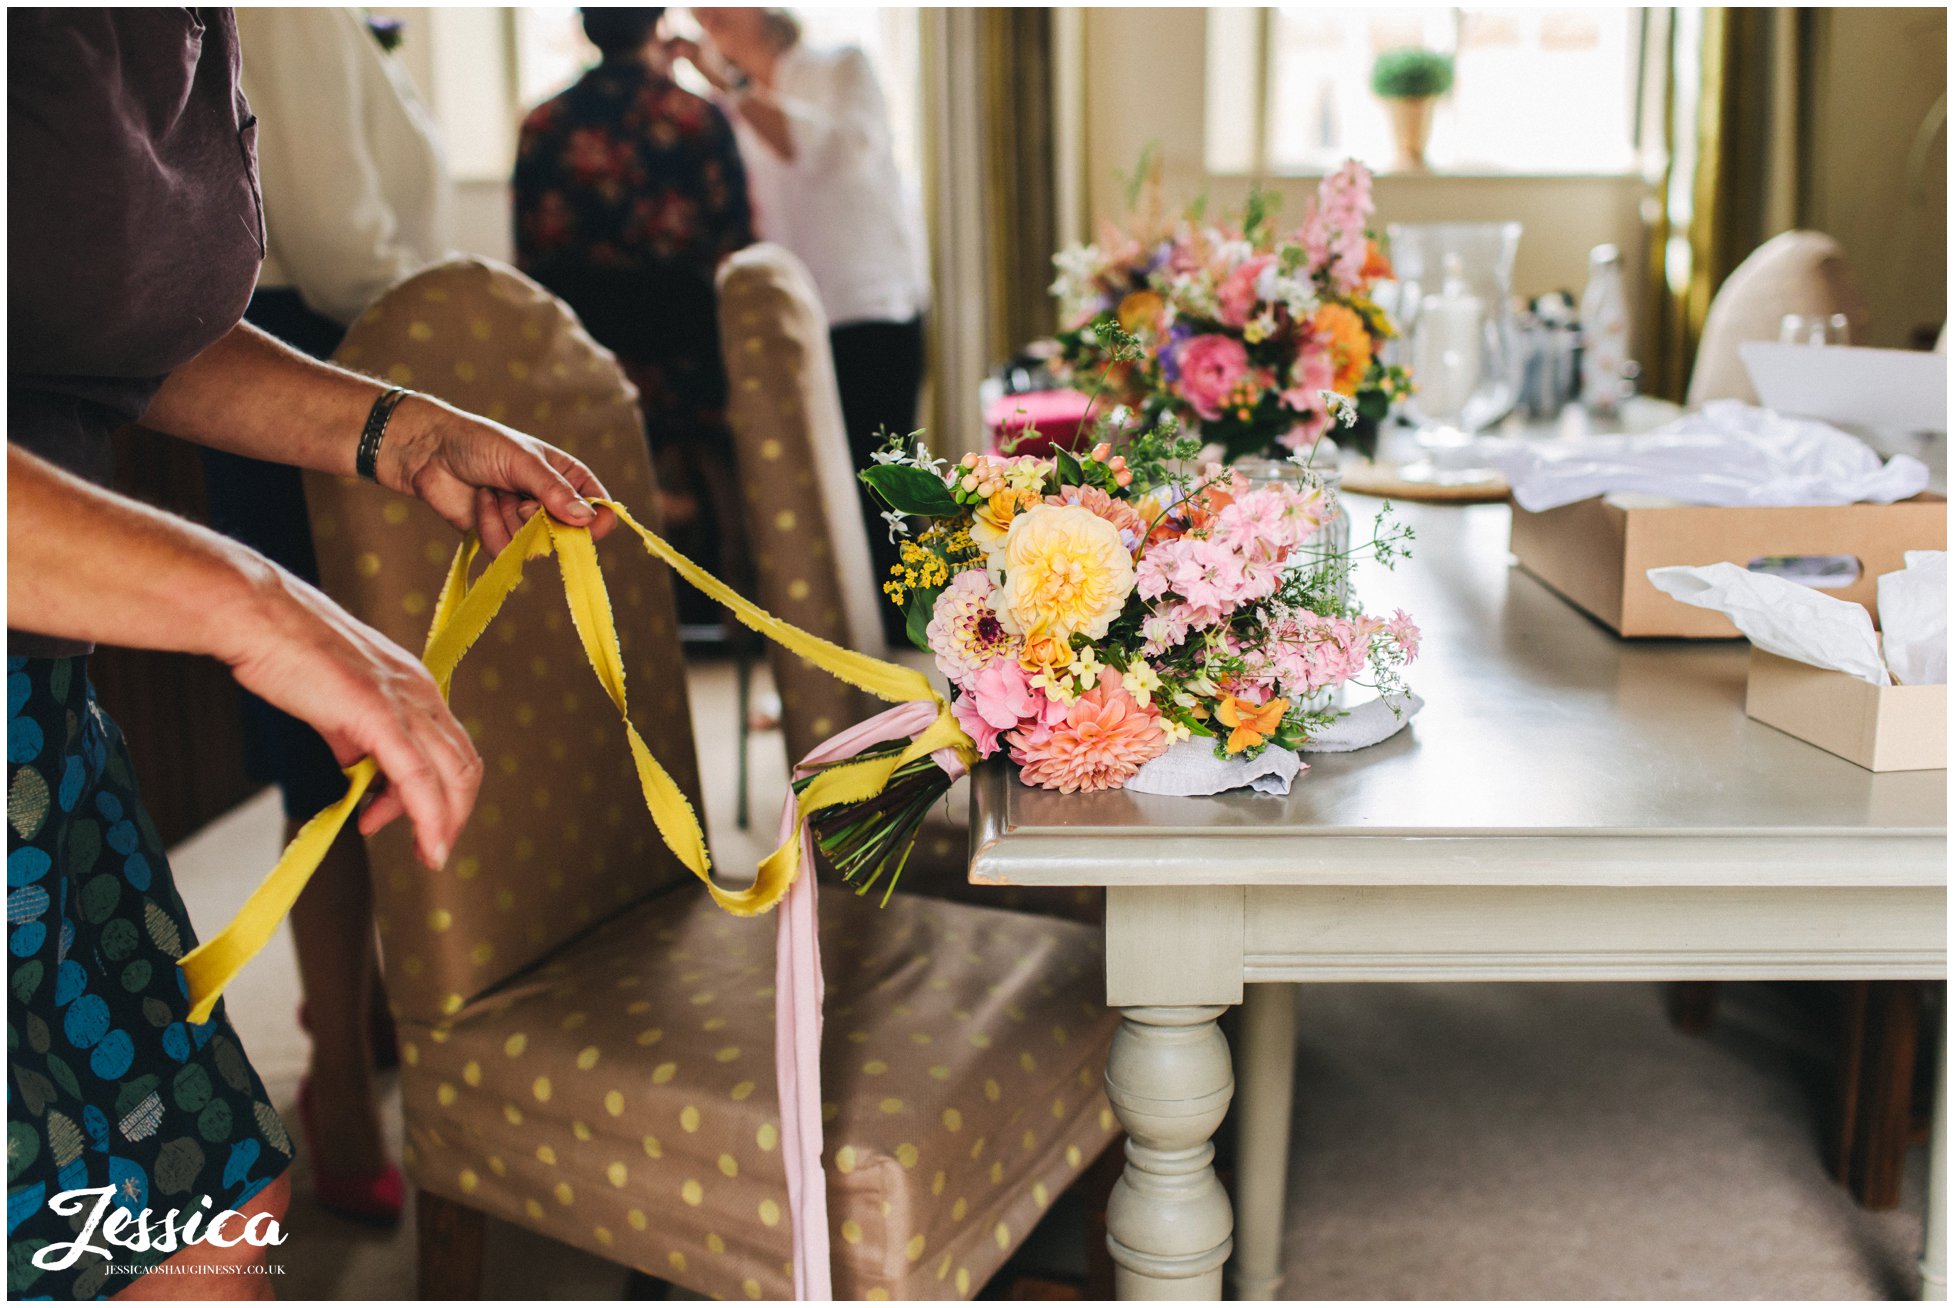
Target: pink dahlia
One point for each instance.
(1102, 741)
(964, 633)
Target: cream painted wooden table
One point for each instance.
(1570, 806)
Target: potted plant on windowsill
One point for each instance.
(1409, 81)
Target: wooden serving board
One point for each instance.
(1381, 479)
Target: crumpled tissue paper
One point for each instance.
(1913, 619)
(1729, 453)
(1190, 767)
(1809, 626)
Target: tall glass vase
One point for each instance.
(1455, 307)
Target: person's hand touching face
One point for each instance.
(482, 476)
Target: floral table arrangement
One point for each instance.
(1242, 328)
(1091, 611)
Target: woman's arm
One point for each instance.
(251, 395)
(755, 103)
(87, 564)
(334, 229)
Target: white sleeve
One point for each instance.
(854, 122)
(329, 223)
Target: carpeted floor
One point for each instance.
(1478, 1142)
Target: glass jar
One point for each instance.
(1329, 546)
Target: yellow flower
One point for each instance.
(1140, 311)
(992, 519)
(1045, 653)
(1065, 570)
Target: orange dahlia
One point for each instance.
(1342, 329)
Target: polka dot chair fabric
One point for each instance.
(803, 511)
(810, 543)
(622, 1097)
(587, 1047)
(559, 838)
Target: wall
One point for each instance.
(1876, 73)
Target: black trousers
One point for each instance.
(879, 372)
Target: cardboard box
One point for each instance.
(1598, 553)
(1884, 728)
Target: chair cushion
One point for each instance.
(622, 1097)
(559, 837)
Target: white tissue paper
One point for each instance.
(1190, 767)
(1729, 453)
(1797, 622)
(1913, 619)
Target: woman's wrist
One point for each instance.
(412, 438)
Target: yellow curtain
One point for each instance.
(1730, 114)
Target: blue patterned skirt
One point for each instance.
(110, 1085)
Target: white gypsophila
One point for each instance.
(1235, 251)
(1195, 292)
(1077, 268)
(1294, 293)
(1339, 405)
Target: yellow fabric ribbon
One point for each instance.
(464, 612)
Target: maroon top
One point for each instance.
(135, 227)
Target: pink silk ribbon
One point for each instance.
(797, 1001)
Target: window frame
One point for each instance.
(1247, 99)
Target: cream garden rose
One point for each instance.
(1064, 570)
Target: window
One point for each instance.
(1535, 90)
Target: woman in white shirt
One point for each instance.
(814, 134)
(356, 198)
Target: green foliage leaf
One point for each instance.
(916, 614)
(1069, 473)
(909, 489)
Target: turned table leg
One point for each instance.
(1933, 1263)
(1169, 1223)
(1267, 1091)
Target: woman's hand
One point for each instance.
(364, 695)
(715, 70)
(480, 475)
(87, 564)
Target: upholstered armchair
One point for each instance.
(810, 544)
(587, 1041)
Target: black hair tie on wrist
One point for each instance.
(366, 458)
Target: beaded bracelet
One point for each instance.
(366, 458)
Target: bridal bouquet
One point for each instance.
(1242, 329)
(1091, 610)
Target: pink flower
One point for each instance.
(1104, 738)
(1333, 234)
(1211, 367)
(1236, 296)
(1000, 698)
(963, 631)
(1405, 632)
(1310, 375)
